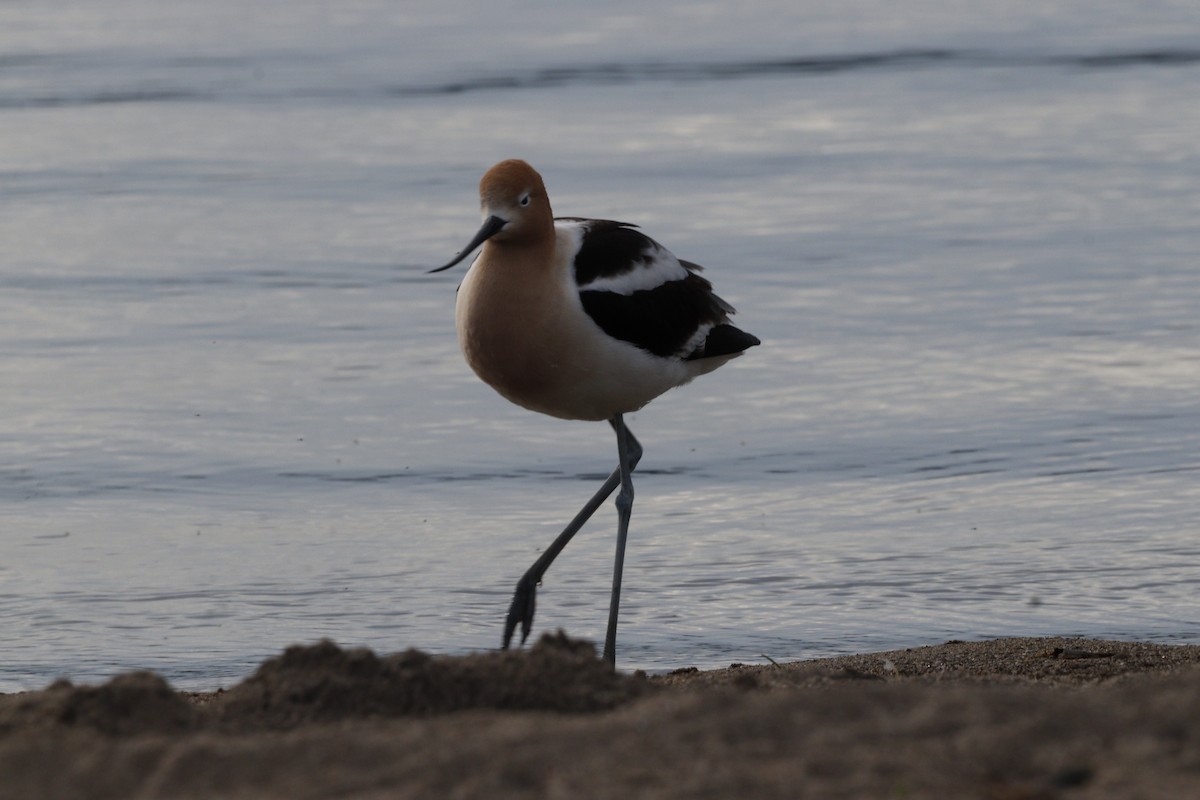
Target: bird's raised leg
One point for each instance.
(524, 600)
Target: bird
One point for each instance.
(581, 319)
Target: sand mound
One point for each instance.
(1014, 719)
(324, 683)
(138, 702)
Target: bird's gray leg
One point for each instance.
(628, 454)
(524, 600)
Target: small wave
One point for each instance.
(1153, 58)
(807, 66)
(104, 98)
(612, 73)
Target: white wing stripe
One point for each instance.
(660, 267)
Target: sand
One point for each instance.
(1003, 719)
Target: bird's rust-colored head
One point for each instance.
(516, 209)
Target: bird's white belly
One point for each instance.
(606, 377)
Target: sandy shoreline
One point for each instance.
(1010, 718)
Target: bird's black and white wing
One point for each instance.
(639, 292)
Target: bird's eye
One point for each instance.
(524, 201)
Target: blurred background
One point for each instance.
(233, 415)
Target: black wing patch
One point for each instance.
(608, 249)
(661, 310)
(662, 320)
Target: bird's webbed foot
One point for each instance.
(523, 604)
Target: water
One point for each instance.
(233, 415)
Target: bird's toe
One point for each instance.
(521, 611)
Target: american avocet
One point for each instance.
(581, 319)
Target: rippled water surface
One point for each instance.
(233, 415)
